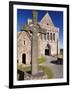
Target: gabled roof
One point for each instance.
(45, 24)
(21, 34)
(47, 20)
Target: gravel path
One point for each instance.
(57, 69)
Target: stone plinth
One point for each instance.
(38, 76)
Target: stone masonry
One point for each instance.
(47, 41)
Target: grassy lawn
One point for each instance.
(24, 69)
(46, 70)
(41, 59)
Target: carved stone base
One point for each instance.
(40, 75)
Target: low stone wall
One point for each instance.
(38, 76)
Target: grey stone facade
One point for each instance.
(47, 41)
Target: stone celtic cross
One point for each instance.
(34, 41)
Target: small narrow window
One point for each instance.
(45, 36)
(24, 42)
(50, 36)
(53, 36)
(47, 24)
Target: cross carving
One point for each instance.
(34, 41)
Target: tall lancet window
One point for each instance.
(44, 36)
(53, 36)
(24, 42)
(50, 36)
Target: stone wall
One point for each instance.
(42, 43)
(23, 47)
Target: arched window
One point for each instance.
(50, 36)
(24, 42)
(53, 36)
(45, 36)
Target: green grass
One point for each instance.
(41, 59)
(47, 71)
(24, 69)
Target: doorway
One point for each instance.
(47, 52)
(24, 58)
(47, 49)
